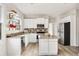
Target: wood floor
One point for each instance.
(32, 50)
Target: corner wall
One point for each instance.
(3, 38)
(4, 17)
(69, 16)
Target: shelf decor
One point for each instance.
(14, 20)
(12, 14)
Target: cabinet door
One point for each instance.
(30, 23)
(43, 47)
(34, 23)
(14, 46)
(46, 23)
(53, 47)
(26, 23)
(40, 20)
(29, 38)
(32, 38)
(26, 40)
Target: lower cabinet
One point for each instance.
(53, 47)
(32, 38)
(43, 47)
(48, 47)
(26, 40)
(14, 46)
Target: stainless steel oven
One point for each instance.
(40, 28)
(40, 25)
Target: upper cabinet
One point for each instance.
(32, 23)
(40, 20)
(29, 23)
(46, 23)
(43, 21)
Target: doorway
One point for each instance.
(67, 34)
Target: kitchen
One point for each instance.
(35, 30)
(34, 33)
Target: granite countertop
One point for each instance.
(48, 37)
(26, 31)
(14, 34)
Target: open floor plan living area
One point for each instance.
(39, 29)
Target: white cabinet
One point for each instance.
(40, 20)
(46, 23)
(53, 47)
(50, 29)
(26, 40)
(32, 38)
(48, 46)
(25, 23)
(32, 23)
(43, 47)
(43, 21)
(14, 46)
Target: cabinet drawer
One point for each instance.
(43, 40)
(54, 40)
(53, 52)
(43, 48)
(53, 48)
(53, 43)
(43, 53)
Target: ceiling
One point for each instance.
(51, 9)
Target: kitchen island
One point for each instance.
(48, 45)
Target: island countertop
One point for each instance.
(43, 36)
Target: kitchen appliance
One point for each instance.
(40, 25)
(40, 28)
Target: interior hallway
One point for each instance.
(32, 50)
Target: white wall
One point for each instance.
(77, 25)
(69, 16)
(4, 18)
(3, 40)
(8, 8)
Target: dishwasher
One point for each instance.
(22, 43)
